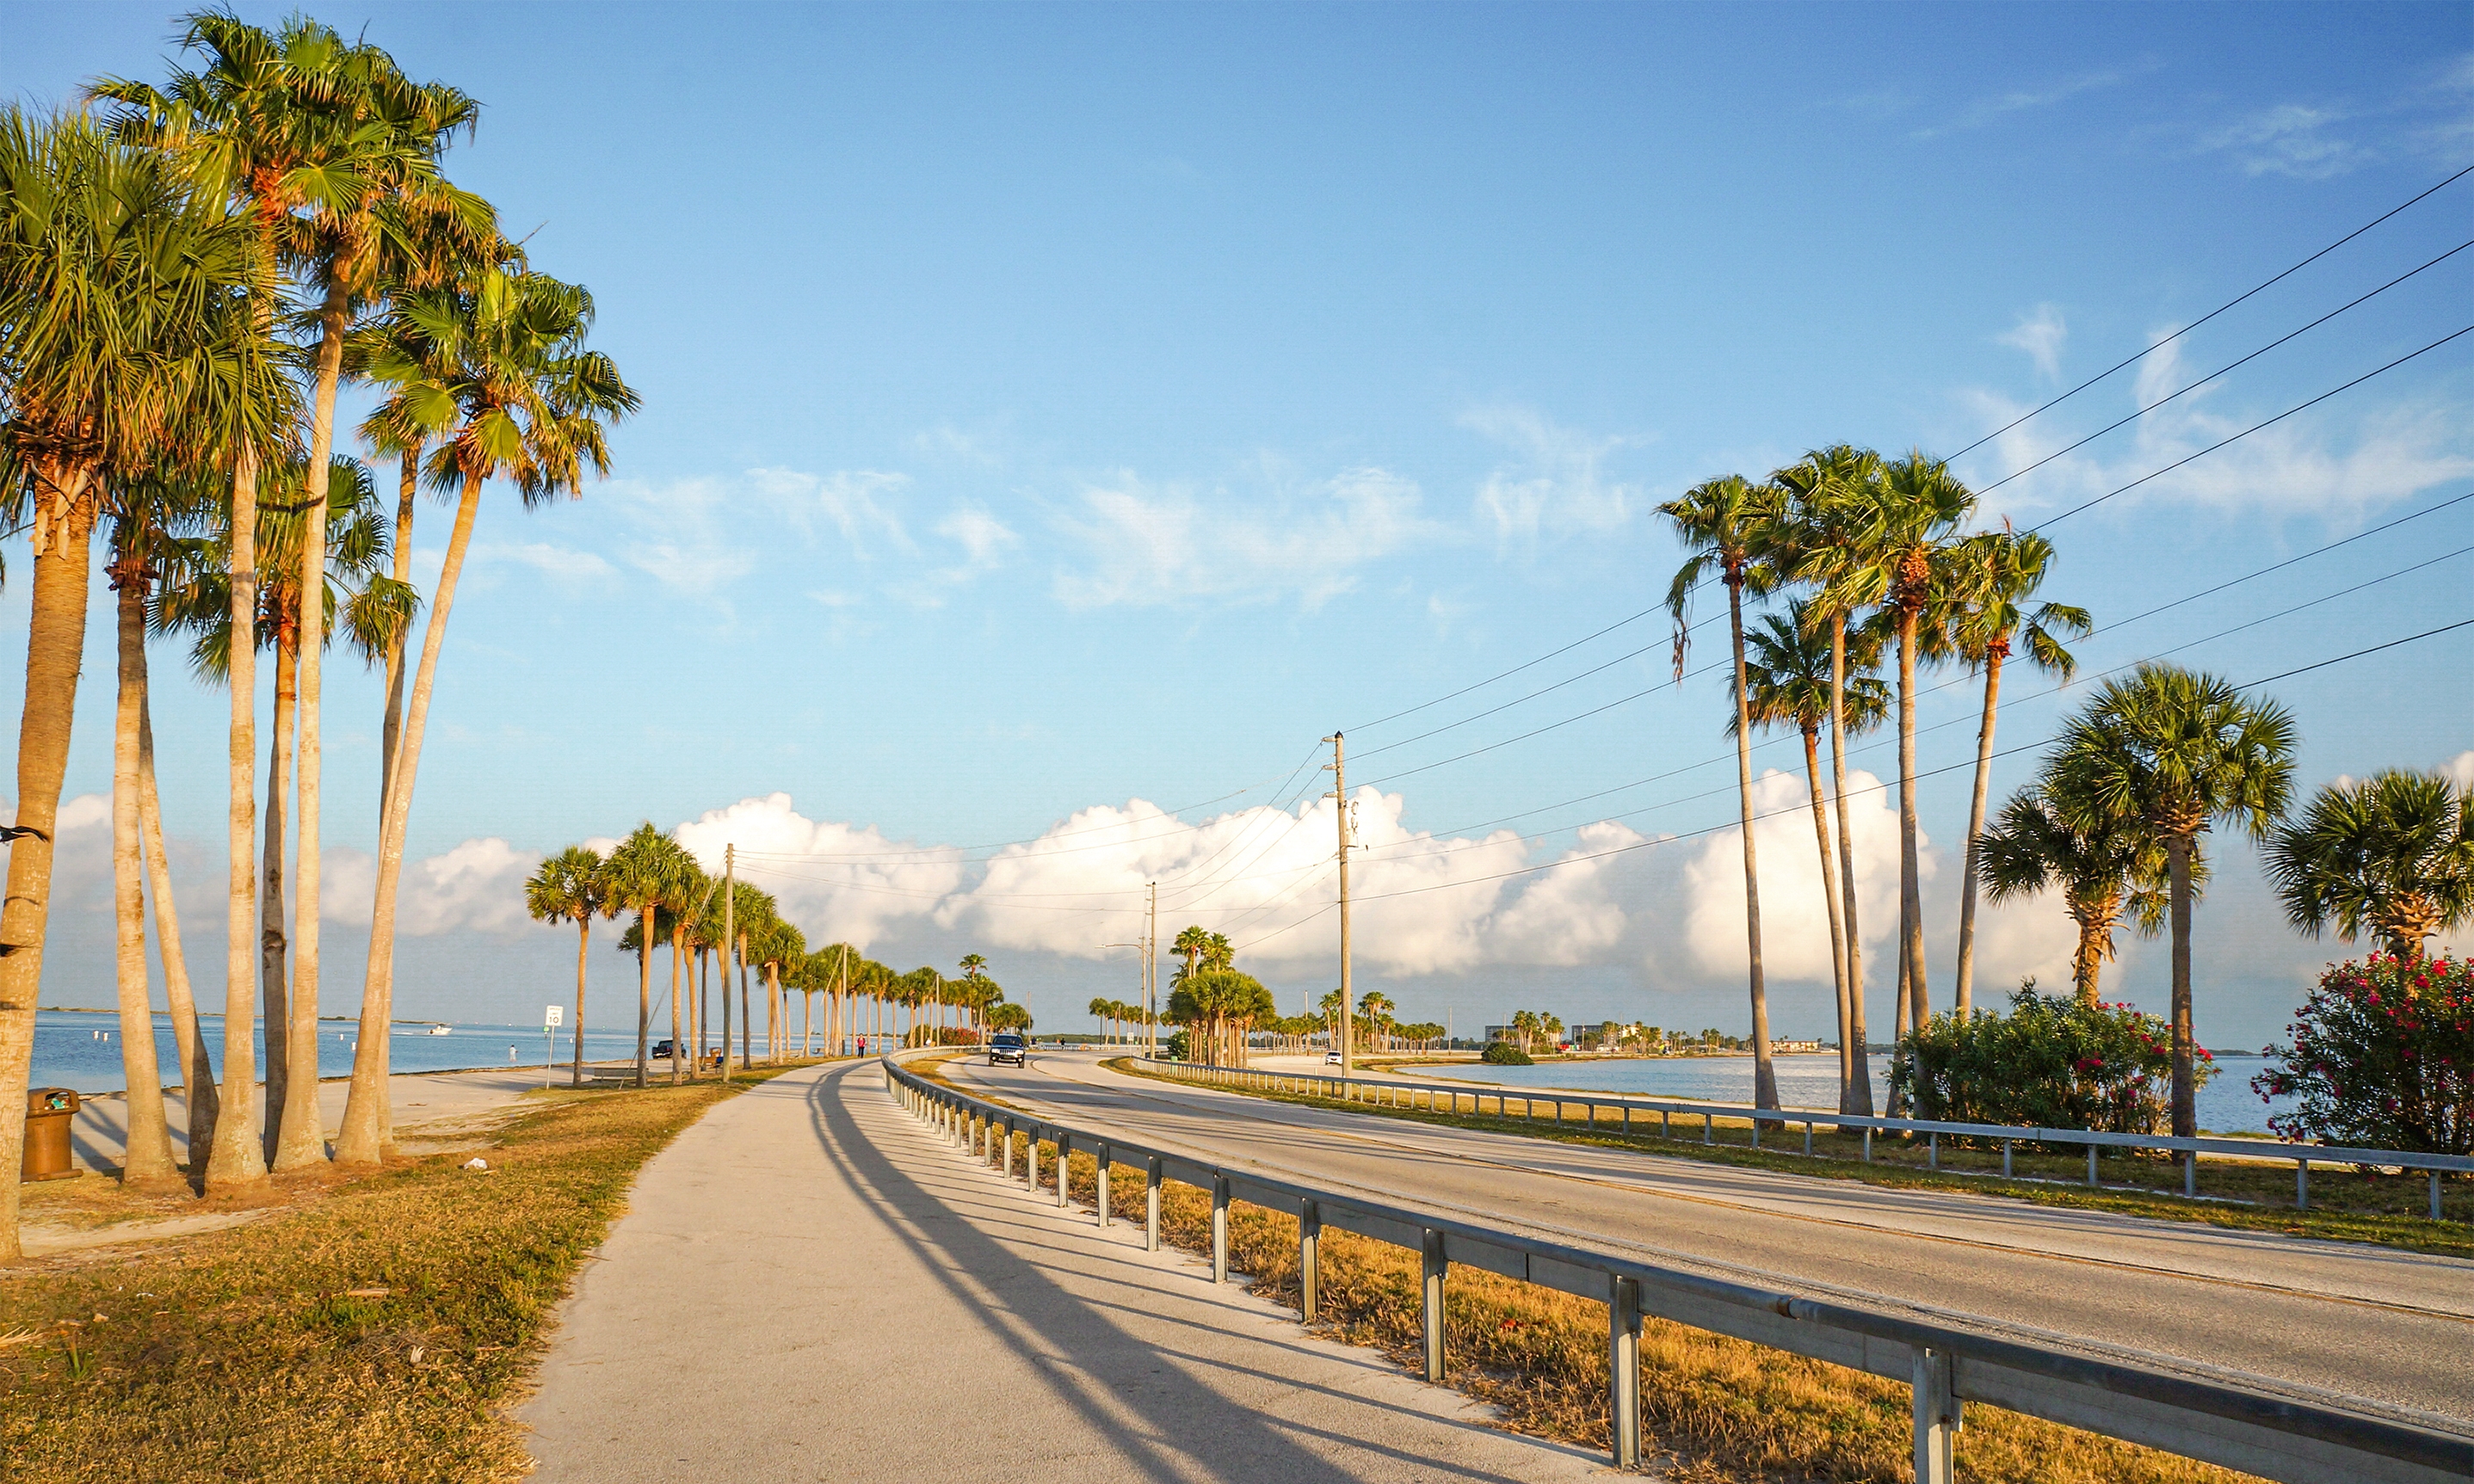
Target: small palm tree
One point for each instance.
(572, 886)
(1795, 677)
(1993, 574)
(638, 879)
(2392, 855)
(1725, 525)
(2104, 868)
(2174, 752)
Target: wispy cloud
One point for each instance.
(1556, 484)
(2041, 335)
(1996, 106)
(1144, 544)
(2290, 139)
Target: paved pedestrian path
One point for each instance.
(810, 1286)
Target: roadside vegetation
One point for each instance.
(378, 1324)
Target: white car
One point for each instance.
(1331, 1059)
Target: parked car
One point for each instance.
(661, 1051)
(1006, 1046)
(1331, 1059)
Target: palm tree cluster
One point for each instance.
(1873, 560)
(1118, 1022)
(655, 880)
(188, 273)
(1876, 568)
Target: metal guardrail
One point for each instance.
(2257, 1431)
(2303, 1156)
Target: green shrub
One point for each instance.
(2383, 1058)
(2051, 1063)
(1504, 1053)
(1176, 1045)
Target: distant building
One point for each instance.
(1796, 1045)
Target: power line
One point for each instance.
(2210, 315)
(2054, 521)
(2219, 371)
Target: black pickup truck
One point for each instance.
(1006, 1046)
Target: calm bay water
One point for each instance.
(79, 1050)
(2226, 1104)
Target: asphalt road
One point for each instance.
(810, 1284)
(2369, 1326)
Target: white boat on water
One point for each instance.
(439, 1030)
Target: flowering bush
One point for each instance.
(2051, 1063)
(2383, 1058)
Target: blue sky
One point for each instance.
(1049, 409)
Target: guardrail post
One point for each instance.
(2301, 1185)
(1932, 1150)
(1868, 1144)
(1937, 1418)
(2435, 1195)
(1104, 1187)
(1432, 1308)
(2005, 1159)
(1309, 1259)
(1757, 1129)
(1031, 1159)
(1807, 1137)
(2191, 1173)
(1220, 1228)
(2091, 1166)
(1064, 1164)
(1708, 1127)
(1151, 1206)
(1623, 1367)
(1009, 1149)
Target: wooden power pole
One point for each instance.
(1348, 1005)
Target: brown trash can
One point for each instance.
(49, 1113)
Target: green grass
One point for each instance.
(377, 1328)
(2345, 1204)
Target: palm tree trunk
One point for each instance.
(1855, 1096)
(274, 976)
(744, 1034)
(678, 1032)
(54, 643)
(1764, 1074)
(644, 993)
(365, 1115)
(1911, 904)
(721, 954)
(2087, 962)
(301, 1138)
(1994, 655)
(1830, 899)
(583, 941)
(2186, 1107)
(149, 1155)
(407, 485)
(237, 1159)
(197, 1067)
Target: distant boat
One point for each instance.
(439, 1030)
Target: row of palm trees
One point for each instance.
(716, 926)
(1873, 560)
(188, 273)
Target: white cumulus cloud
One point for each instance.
(837, 882)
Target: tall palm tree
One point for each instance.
(148, 1157)
(1725, 524)
(2174, 752)
(1898, 562)
(1995, 574)
(123, 344)
(572, 886)
(1793, 679)
(2104, 868)
(2392, 855)
(1826, 492)
(511, 392)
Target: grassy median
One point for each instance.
(1712, 1408)
(2346, 1204)
(378, 1326)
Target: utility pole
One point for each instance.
(730, 940)
(1151, 978)
(1339, 812)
